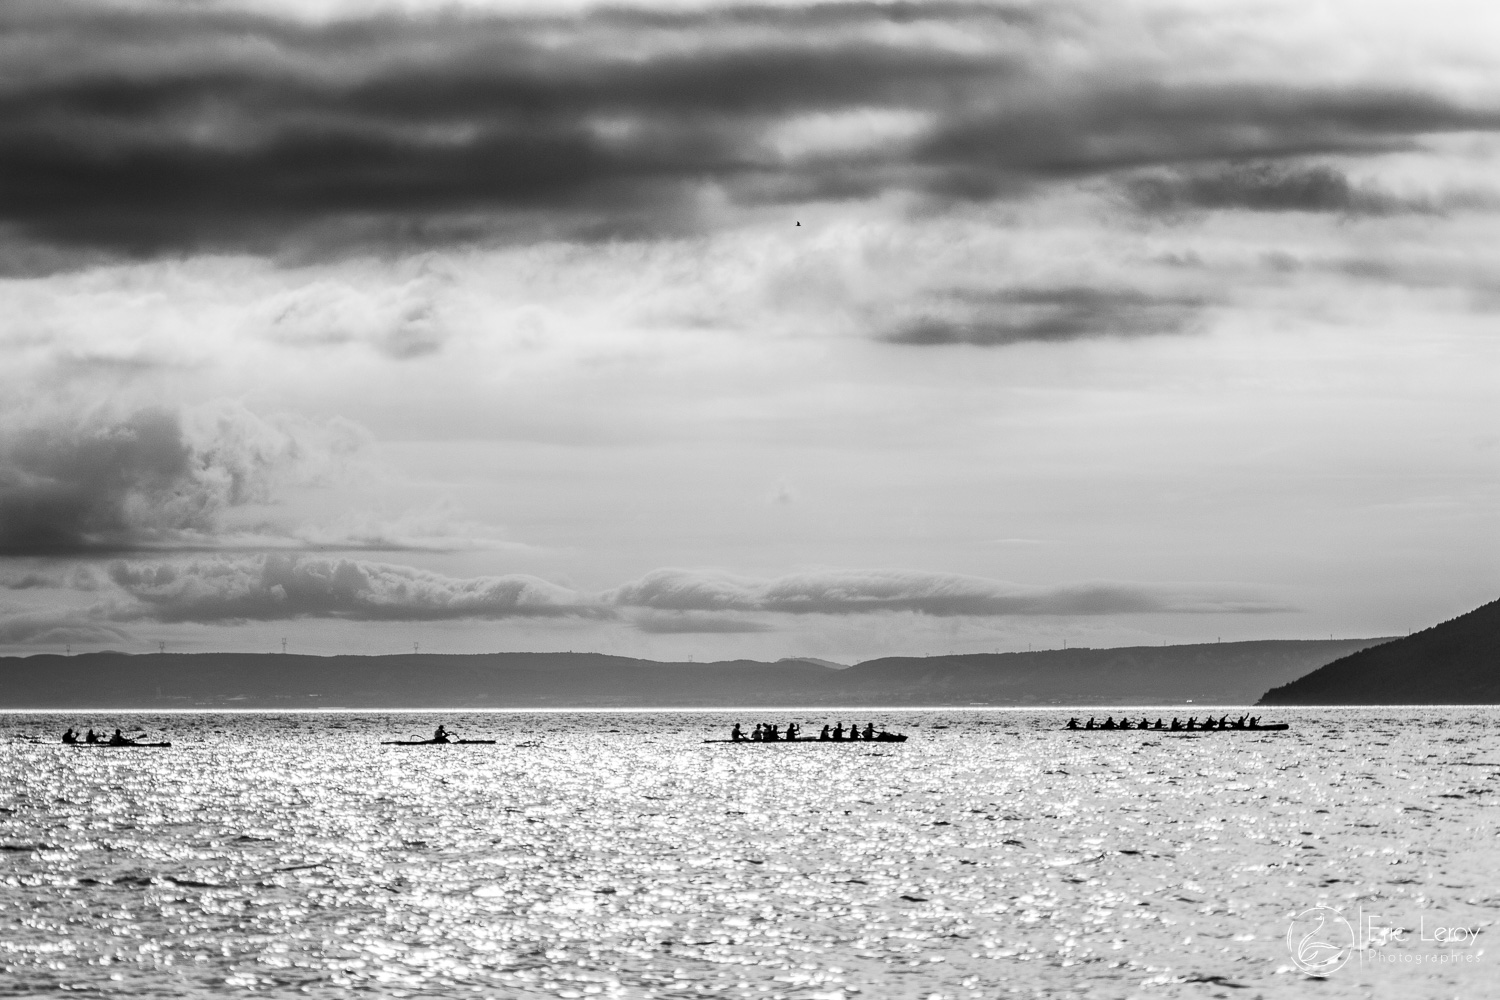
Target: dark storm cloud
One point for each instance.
(169, 128)
(1098, 125)
(1264, 187)
(431, 122)
(279, 587)
(936, 594)
(105, 486)
(141, 481)
(992, 319)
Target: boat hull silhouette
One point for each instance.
(892, 738)
(1275, 727)
(430, 743)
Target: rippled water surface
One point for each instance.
(619, 856)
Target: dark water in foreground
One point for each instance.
(614, 855)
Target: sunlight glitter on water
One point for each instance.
(618, 856)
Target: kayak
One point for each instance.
(431, 742)
(888, 738)
(1270, 728)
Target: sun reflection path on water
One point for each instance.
(618, 856)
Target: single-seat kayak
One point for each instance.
(429, 743)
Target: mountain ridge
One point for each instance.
(1225, 673)
(1456, 662)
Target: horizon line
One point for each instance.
(1131, 709)
(626, 656)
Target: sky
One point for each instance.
(723, 330)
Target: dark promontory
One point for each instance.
(1229, 673)
(1455, 663)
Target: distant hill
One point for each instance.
(1225, 673)
(491, 680)
(1220, 672)
(1455, 663)
(833, 664)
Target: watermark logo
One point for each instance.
(1320, 940)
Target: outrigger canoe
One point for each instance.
(1271, 728)
(887, 738)
(428, 743)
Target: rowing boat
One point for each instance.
(428, 743)
(888, 738)
(115, 746)
(1271, 728)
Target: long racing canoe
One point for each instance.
(888, 738)
(1270, 728)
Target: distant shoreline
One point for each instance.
(701, 710)
(1128, 677)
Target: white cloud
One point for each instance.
(51, 628)
(937, 594)
(278, 587)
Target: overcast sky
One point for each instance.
(745, 329)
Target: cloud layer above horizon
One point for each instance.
(460, 314)
(235, 589)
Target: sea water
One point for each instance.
(617, 855)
